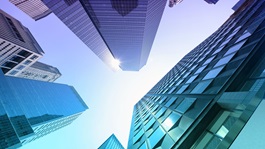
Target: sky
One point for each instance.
(110, 95)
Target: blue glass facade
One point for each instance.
(27, 106)
(206, 99)
(123, 30)
(111, 143)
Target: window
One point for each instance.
(168, 104)
(192, 78)
(224, 60)
(13, 72)
(156, 137)
(235, 48)
(208, 60)
(182, 89)
(213, 73)
(201, 87)
(20, 67)
(200, 69)
(185, 105)
(171, 120)
(34, 57)
(27, 62)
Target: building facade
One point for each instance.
(18, 48)
(40, 71)
(111, 143)
(114, 30)
(31, 109)
(208, 98)
(36, 9)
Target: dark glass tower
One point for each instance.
(206, 99)
(30, 109)
(113, 29)
(211, 1)
(111, 143)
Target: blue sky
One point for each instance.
(112, 95)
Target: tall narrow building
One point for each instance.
(120, 33)
(213, 97)
(111, 143)
(18, 48)
(30, 109)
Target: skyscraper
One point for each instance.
(114, 30)
(207, 99)
(111, 143)
(34, 8)
(30, 109)
(40, 71)
(18, 48)
(211, 1)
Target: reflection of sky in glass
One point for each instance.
(171, 120)
(224, 60)
(222, 132)
(213, 73)
(156, 136)
(101, 88)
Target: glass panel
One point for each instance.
(150, 123)
(171, 120)
(138, 135)
(213, 73)
(170, 101)
(201, 87)
(224, 60)
(182, 89)
(192, 78)
(208, 60)
(200, 69)
(160, 112)
(156, 137)
(245, 35)
(172, 89)
(143, 146)
(235, 48)
(185, 104)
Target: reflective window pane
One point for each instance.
(235, 48)
(224, 60)
(171, 120)
(201, 87)
(156, 137)
(182, 89)
(192, 78)
(200, 69)
(213, 73)
(185, 104)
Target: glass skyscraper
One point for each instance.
(30, 109)
(207, 98)
(111, 143)
(114, 30)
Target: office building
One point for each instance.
(30, 109)
(36, 9)
(18, 48)
(111, 143)
(211, 1)
(40, 71)
(120, 33)
(209, 98)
